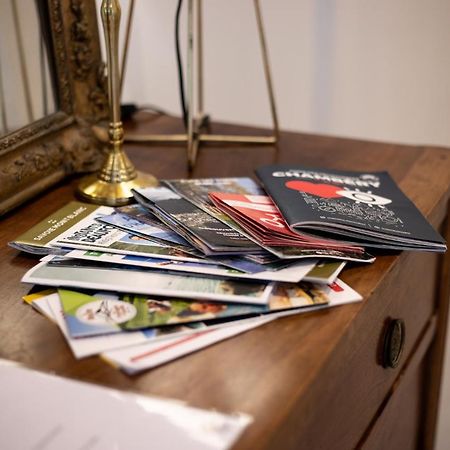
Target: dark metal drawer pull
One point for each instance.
(394, 341)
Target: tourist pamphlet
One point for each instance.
(50, 306)
(285, 300)
(99, 313)
(258, 216)
(315, 271)
(196, 191)
(144, 281)
(202, 230)
(76, 226)
(298, 270)
(90, 314)
(363, 208)
(155, 231)
(38, 238)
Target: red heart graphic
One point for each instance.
(321, 190)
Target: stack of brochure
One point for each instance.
(143, 284)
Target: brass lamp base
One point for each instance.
(95, 190)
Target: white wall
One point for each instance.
(377, 70)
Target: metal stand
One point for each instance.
(197, 121)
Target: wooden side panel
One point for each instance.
(436, 356)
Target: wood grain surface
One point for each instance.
(310, 381)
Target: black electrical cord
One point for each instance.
(129, 109)
(180, 63)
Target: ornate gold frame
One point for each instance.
(37, 156)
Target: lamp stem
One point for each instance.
(114, 183)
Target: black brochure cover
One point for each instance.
(367, 206)
(215, 234)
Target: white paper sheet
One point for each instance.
(47, 412)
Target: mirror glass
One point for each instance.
(27, 84)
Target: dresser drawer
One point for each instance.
(352, 385)
(399, 424)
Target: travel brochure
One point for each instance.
(90, 234)
(302, 270)
(50, 306)
(365, 208)
(152, 231)
(161, 337)
(90, 314)
(38, 238)
(66, 274)
(197, 192)
(76, 226)
(195, 263)
(259, 217)
(202, 260)
(204, 231)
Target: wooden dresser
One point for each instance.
(312, 381)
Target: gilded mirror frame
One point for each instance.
(39, 155)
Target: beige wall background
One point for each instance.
(377, 70)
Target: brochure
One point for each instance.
(50, 306)
(196, 191)
(133, 222)
(261, 218)
(37, 239)
(75, 226)
(202, 230)
(90, 234)
(150, 283)
(262, 222)
(293, 273)
(363, 208)
(99, 313)
(325, 272)
(90, 314)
